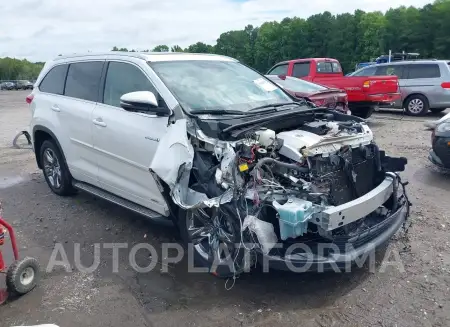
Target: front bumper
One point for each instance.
(349, 212)
(338, 256)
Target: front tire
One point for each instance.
(214, 236)
(417, 105)
(56, 172)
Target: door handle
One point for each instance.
(56, 108)
(99, 122)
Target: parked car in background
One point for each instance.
(7, 86)
(24, 85)
(365, 94)
(440, 141)
(424, 84)
(320, 95)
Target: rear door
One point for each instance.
(74, 113)
(66, 98)
(125, 142)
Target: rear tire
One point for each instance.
(363, 112)
(417, 105)
(55, 169)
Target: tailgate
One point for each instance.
(381, 85)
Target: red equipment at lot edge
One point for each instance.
(23, 275)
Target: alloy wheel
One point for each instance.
(52, 168)
(416, 106)
(212, 234)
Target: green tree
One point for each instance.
(200, 47)
(176, 48)
(161, 48)
(350, 38)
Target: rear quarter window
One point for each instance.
(54, 81)
(83, 80)
(423, 71)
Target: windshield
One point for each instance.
(297, 85)
(217, 85)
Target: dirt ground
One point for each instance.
(419, 296)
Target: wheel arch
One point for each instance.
(41, 134)
(412, 95)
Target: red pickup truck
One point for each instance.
(365, 93)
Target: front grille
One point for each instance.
(349, 174)
(344, 242)
(365, 236)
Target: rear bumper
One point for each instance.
(385, 98)
(341, 259)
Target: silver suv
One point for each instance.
(424, 84)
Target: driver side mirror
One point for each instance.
(143, 101)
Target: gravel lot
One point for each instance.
(419, 296)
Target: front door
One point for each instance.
(125, 142)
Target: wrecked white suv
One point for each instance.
(245, 171)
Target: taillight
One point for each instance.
(29, 98)
(446, 85)
(319, 103)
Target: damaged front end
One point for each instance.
(281, 190)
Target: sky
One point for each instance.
(39, 30)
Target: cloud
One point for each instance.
(42, 29)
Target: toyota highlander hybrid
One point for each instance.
(232, 159)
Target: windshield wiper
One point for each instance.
(272, 106)
(217, 112)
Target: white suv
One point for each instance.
(220, 150)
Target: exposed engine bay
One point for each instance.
(317, 179)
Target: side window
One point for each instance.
(124, 78)
(301, 69)
(83, 80)
(391, 70)
(336, 67)
(424, 71)
(53, 82)
(326, 67)
(369, 71)
(279, 70)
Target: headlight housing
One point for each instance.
(443, 127)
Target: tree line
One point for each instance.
(350, 38)
(15, 69)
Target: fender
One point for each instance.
(41, 128)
